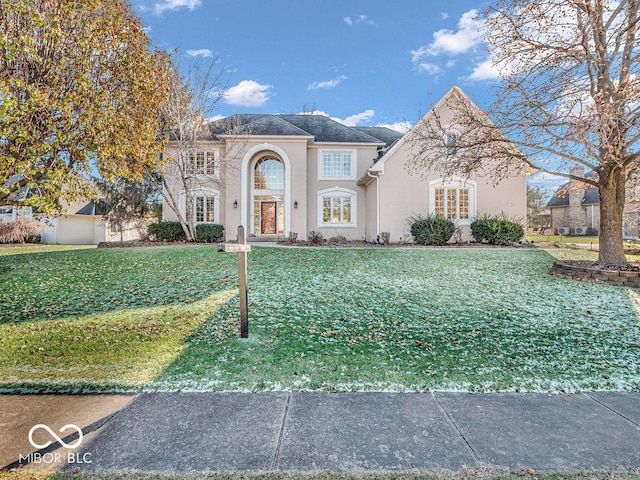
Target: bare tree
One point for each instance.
(187, 119)
(570, 94)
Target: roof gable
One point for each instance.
(560, 197)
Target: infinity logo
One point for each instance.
(57, 438)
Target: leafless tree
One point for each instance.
(569, 94)
(187, 116)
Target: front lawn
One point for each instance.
(165, 318)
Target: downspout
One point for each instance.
(377, 204)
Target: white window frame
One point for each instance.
(210, 157)
(202, 193)
(456, 183)
(332, 151)
(338, 192)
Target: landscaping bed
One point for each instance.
(367, 319)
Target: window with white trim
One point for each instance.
(204, 208)
(337, 207)
(336, 164)
(454, 200)
(201, 163)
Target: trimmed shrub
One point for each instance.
(497, 230)
(20, 230)
(166, 232)
(209, 232)
(431, 229)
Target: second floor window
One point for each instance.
(201, 163)
(337, 165)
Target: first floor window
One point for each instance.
(337, 207)
(336, 210)
(451, 202)
(204, 209)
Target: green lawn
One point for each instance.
(165, 318)
(561, 239)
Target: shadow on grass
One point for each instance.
(113, 351)
(72, 283)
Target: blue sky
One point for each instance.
(360, 62)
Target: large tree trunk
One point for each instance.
(612, 193)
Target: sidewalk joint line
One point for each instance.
(451, 421)
(612, 410)
(276, 456)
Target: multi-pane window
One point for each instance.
(268, 174)
(205, 209)
(336, 210)
(337, 164)
(201, 163)
(452, 203)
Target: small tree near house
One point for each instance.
(186, 118)
(569, 95)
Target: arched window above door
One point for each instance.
(268, 174)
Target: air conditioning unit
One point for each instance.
(580, 230)
(564, 231)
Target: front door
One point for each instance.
(268, 224)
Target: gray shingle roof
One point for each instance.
(388, 136)
(560, 197)
(93, 208)
(321, 128)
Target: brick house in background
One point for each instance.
(575, 208)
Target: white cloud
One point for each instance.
(485, 70)
(445, 41)
(402, 127)
(350, 121)
(444, 15)
(163, 5)
(201, 52)
(248, 93)
(215, 118)
(430, 68)
(334, 82)
(361, 19)
(358, 118)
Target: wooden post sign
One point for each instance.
(241, 248)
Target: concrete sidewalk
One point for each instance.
(181, 432)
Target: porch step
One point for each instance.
(258, 239)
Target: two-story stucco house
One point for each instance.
(302, 173)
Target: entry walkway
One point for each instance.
(180, 432)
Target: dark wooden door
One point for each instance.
(268, 213)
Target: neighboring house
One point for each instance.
(575, 208)
(82, 222)
(302, 173)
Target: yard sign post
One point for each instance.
(241, 248)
